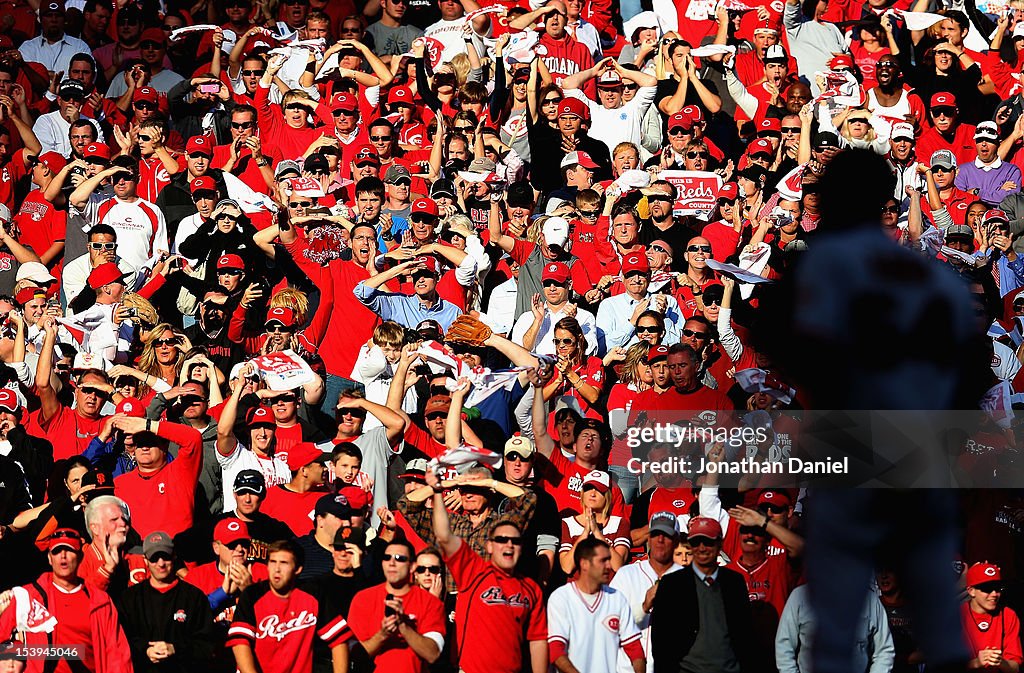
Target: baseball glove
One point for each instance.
(147, 314)
(468, 330)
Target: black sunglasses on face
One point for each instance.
(144, 105)
(397, 558)
(679, 130)
(433, 570)
(380, 139)
(516, 457)
(658, 248)
(553, 283)
(300, 204)
(650, 329)
(702, 541)
(281, 398)
(243, 125)
(253, 73)
(173, 341)
(698, 248)
(436, 416)
(505, 539)
(656, 198)
(89, 390)
(279, 329)
(695, 335)
(229, 272)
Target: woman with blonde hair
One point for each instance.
(159, 365)
(861, 129)
(596, 520)
(634, 378)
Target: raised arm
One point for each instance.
(447, 541)
(226, 442)
(545, 445)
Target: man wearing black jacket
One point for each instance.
(33, 455)
(168, 623)
(701, 617)
(549, 146)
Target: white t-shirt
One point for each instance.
(140, 225)
(275, 470)
(593, 627)
(544, 344)
(622, 124)
(633, 581)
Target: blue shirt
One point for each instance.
(404, 309)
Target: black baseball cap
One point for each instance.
(349, 534)
(334, 503)
(442, 188)
(250, 481)
(826, 139)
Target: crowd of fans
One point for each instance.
(328, 329)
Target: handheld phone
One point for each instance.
(388, 610)
(209, 88)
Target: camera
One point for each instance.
(213, 87)
(132, 312)
(779, 217)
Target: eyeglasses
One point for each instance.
(658, 248)
(243, 125)
(505, 539)
(694, 155)
(110, 247)
(649, 329)
(89, 390)
(550, 282)
(695, 335)
(702, 541)
(433, 570)
(564, 342)
(300, 204)
(437, 415)
(790, 129)
(173, 341)
(515, 457)
(698, 248)
(380, 139)
(397, 558)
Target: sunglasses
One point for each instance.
(145, 138)
(590, 214)
(352, 411)
(941, 169)
(694, 155)
(229, 272)
(207, 194)
(281, 398)
(771, 509)
(551, 101)
(243, 125)
(300, 204)
(433, 570)
(702, 541)
(658, 248)
(420, 218)
(144, 105)
(150, 45)
(436, 416)
(103, 246)
(679, 130)
(295, 106)
(761, 156)
(944, 112)
(505, 539)
(659, 198)
(553, 283)
(380, 139)
(397, 558)
(698, 248)
(89, 390)
(173, 341)
(790, 129)
(695, 335)
(989, 587)
(891, 209)
(516, 457)
(253, 73)
(189, 400)
(564, 342)
(630, 87)
(279, 329)
(651, 329)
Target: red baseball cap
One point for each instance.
(96, 150)
(704, 526)
(281, 314)
(303, 454)
(400, 94)
(657, 353)
(367, 154)
(146, 93)
(680, 120)
(979, 573)
(943, 99)
(52, 160)
(578, 159)
(104, 274)
(231, 530)
(770, 125)
(358, 499)
(203, 182)
(424, 205)
(430, 263)
(260, 415)
(728, 191)
(760, 146)
(993, 214)
(230, 262)
(840, 61)
(199, 145)
(343, 100)
(154, 35)
(9, 400)
(573, 106)
(633, 262)
(555, 271)
(27, 294)
(770, 497)
(131, 407)
(64, 537)
(693, 112)
(598, 479)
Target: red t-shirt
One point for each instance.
(1000, 631)
(564, 481)
(496, 614)
(68, 431)
(424, 441)
(425, 611)
(723, 237)
(74, 624)
(961, 144)
(295, 509)
(11, 172)
(208, 577)
(164, 500)
(153, 177)
(770, 581)
(41, 224)
(287, 438)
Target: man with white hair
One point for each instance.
(104, 564)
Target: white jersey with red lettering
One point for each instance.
(140, 226)
(591, 627)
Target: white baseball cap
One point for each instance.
(556, 231)
(35, 272)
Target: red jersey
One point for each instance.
(164, 500)
(245, 169)
(68, 431)
(956, 202)
(294, 509)
(724, 239)
(564, 481)
(290, 142)
(507, 612)
(769, 581)
(153, 177)
(961, 144)
(280, 630)
(286, 438)
(1000, 631)
(424, 441)
(591, 371)
(567, 57)
(425, 610)
(11, 172)
(750, 67)
(621, 397)
(89, 568)
(41, 225)
(208, 577)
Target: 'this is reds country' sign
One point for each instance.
(696, 191)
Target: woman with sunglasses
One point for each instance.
(696, 278)
(163, 354)
(596, 520)
(228, 231)
(726, 226)
(576, 374)
(634, 378)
